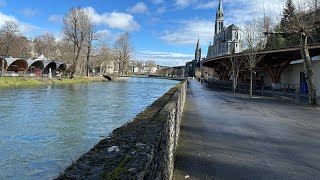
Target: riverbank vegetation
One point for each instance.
(13, 82)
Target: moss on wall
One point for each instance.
(141, 149)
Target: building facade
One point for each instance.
(226, 39)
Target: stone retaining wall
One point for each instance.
(142, 149)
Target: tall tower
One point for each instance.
(196, 54)
(219, 19)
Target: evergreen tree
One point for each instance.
(275, 41)
(289, 18)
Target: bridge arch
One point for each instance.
(16, 65)
(62, 67)
(48, 65)
(35, 65)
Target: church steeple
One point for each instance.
(197, 55)
(197, 45)
(219, 19)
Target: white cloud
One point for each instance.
(183, 3)
(28, 29)
(242, 11)
(140, 7)
(55, 19)
(29, 12)
(165, 58)
(117, 20)
(187, 32)
(104, 34)
(4, 17)
(161, 10)
(206, 5)
(157, 1)
(24, 28)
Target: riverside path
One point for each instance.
(227, 136)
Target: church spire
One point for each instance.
(220, 9)
(219, 19)
(197, 45)
(197, 55)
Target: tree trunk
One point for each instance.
(250, 83)
(234, 83)
(312, 89)
(234, 77)
(87, 63)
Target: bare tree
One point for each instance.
(107, 59)
(89, 39)
(89, 46)
(123, 49)
(314, 6)
(76, 31)
(305, 23)
(65, 51)
(236, 65)
(8, 32)
(252, 41)
(20, 47)
(46, 44)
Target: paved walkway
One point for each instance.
(227, 136)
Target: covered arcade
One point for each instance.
(273, 62)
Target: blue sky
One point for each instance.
(162, 30)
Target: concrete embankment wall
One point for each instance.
(142, 149)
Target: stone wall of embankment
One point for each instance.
(142, 149)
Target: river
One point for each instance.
(44, 128)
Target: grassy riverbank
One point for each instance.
(12, 82)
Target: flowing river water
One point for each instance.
(44, 128)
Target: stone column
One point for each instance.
(50, 73)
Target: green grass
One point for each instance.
(13, 82)
(7, 82)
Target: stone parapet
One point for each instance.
(142, 149)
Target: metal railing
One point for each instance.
(260, 88)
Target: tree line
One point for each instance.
(81, 45)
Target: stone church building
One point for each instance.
(193, 67)
(226, 39)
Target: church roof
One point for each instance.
(232, 26)
(41, 57)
